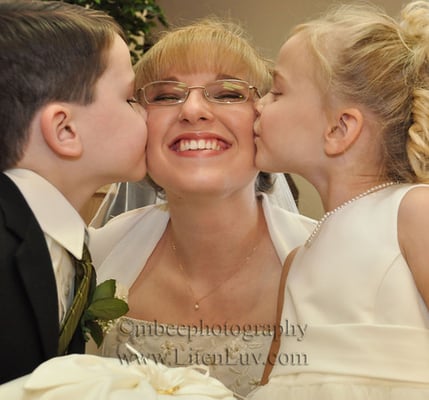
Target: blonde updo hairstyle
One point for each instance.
(207, 45)
(369, 58)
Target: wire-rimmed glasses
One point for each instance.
(135, 105)
(222, 91)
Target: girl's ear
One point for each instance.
(58, 130)
(346, 131)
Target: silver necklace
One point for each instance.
(341, 206)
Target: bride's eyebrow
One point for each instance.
(225, 76)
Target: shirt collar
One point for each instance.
(56, 216)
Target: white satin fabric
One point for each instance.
(366, 323)
(88, 377)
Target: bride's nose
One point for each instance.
(196, 107)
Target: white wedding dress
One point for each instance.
(120, 250)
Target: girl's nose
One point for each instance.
(259, 104)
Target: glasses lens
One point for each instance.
(228, 91)
(225, 91)
(165, 92)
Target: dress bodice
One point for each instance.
(234, 356)
(354, 324)
(355, 295)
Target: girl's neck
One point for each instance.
(333, 194)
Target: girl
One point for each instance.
(348, 111)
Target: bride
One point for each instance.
(202, 269)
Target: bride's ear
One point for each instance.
(58, 130)
(344, 133)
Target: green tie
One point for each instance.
(84, 286)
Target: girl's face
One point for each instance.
(198, 146)
(289, 128)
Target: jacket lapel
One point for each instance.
(34, 264)
(39, 280)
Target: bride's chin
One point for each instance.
(195, 192)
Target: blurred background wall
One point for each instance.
(268, 23)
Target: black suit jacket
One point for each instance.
(29, 325)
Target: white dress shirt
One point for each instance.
(62, 225)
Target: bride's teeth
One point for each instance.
(183, 146)
(200, 144)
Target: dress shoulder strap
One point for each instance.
(275, 344)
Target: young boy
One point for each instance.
(69, 125)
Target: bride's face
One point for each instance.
(200, 146)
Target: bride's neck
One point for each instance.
(212, 233)
(201, 214)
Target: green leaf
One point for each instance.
(105, 290)
(103, 309)
(87, 316)
(108, 309)
(135, 16)
(95, 331)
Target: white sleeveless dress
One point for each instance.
(355, 325)
(236, 357)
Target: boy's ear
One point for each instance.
(344, 133)
(58, 130)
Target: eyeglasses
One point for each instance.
(223, 91)
(135, 105)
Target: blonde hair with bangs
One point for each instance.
(209, 44)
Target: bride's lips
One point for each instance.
(197, 143)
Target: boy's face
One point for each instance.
(114, 131)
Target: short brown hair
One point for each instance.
(49, 51)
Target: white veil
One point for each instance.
(126, 196)
(281, 195)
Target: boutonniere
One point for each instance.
(103, 309)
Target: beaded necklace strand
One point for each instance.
(341, 206)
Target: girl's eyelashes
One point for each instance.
(275, 93)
